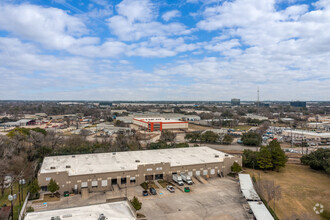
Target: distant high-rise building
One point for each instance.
(235, 101)
(298, 104)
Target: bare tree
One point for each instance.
(270, 189)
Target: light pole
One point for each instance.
(11, 198)
(21, 185)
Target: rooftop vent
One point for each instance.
(137, 161)
(113, 154)
(52, 168)
(216, 155)
(67, 166)
(73, 156)
(102, 217)
(226, 155)
(67, 216)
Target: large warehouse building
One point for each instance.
(98, 172)
(159, 124)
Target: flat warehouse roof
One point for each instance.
(114, 210)
(247, 187)
(260, 211)
(124, 161)
(163, 120)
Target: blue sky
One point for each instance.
(165, 50)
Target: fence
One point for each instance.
(21, 214)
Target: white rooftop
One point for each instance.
(114, 210)
(124, 161)
(260, 211)
(157, 119)
(247, 187)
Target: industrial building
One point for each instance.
(298, 104)
(99, 172)
(159, 124)
(235, 101)
(113, 210)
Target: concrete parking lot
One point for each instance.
(216, 198)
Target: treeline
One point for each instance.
(209, 137)
(270, 157)
(163, 145)
(318, 160)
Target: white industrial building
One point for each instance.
(159, 124)
(114, 210)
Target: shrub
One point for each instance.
(236, 168)
(144, 185)
(29, 209)
(136, 203)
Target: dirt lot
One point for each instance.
(218, 199)
(302, 188)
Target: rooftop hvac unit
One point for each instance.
(55, 218)
(52, 168)
(216, 155)
(102, 217)
(137, 161)
(67, 166)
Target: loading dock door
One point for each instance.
(190, 173)
(114, 181)
(158, 176)
(198, 172)
(204, 172)
(149, 177)
(84, 185)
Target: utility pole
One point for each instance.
(258, 101)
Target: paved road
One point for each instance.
(237, 147)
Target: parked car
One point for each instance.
(66, 194)
(187, 189)
(170, 188)
(145, 193)
(153, 191)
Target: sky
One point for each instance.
(164, 50)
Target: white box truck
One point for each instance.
(186, 178)
(178, 179)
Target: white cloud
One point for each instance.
(135, 20)
(49, 26)
(171, 14)
(136, 10)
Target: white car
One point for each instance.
(170, 188)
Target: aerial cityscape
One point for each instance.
(161, 110)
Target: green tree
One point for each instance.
(209, 137)
(318, 160)
(136, 203)
(40, 130)
(34, 188)
(236, 168)
(251, 139)
(192, 137)
(227, 139)
(52, 186)
(250, 159)
(278, 155)
(264, 158)
(22, 131)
